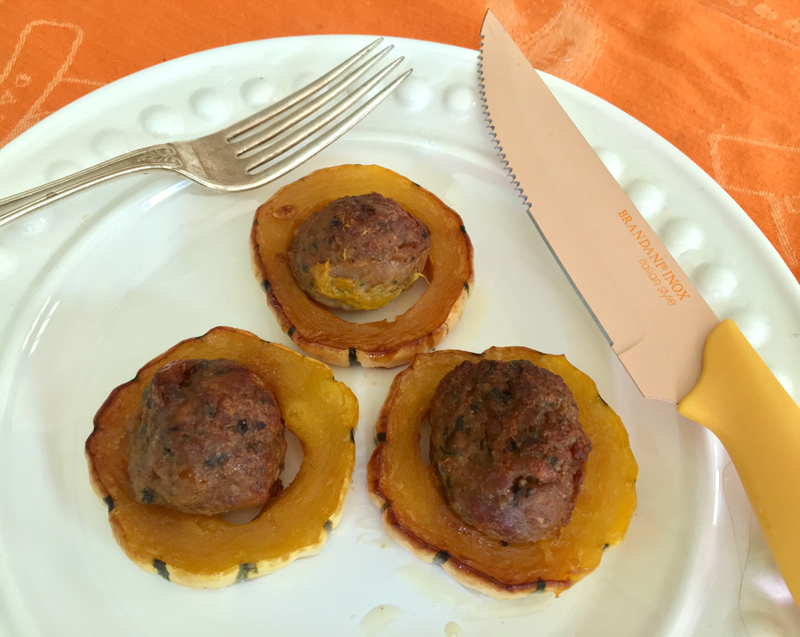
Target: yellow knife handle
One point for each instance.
(743, 404)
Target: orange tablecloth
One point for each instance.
(720, 79)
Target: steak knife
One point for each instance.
(666, 336)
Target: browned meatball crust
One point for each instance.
(359, 252)
(210, 439)
(508, 448)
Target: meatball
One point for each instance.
(210, 439)
(358, 253)
(508, 448)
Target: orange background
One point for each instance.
(720, 79)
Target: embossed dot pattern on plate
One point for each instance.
(612, 162)
(459, 100)
(257, 92)
(109, 143)
(413, 94)
(211, 105)
(646, 197)
(754, 328)
(714, 281)
(162, 122)
(681, 235)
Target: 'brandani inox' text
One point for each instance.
(667, 284)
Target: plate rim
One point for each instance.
(585, 96)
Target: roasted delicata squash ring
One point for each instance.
(209, 552)
(323, 334)
(416, 515)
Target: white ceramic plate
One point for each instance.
(95, 286)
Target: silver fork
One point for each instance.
(231, 160)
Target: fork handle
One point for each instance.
(160, 156)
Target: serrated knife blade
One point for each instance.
(657, 323)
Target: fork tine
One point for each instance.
(273, 130)
(280, 106)
(278, 169)
(299, 134)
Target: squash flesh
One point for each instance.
(420, 517)
(320, 332)
(201, 550)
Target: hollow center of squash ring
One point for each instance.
(291, 466)
(389, 312)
